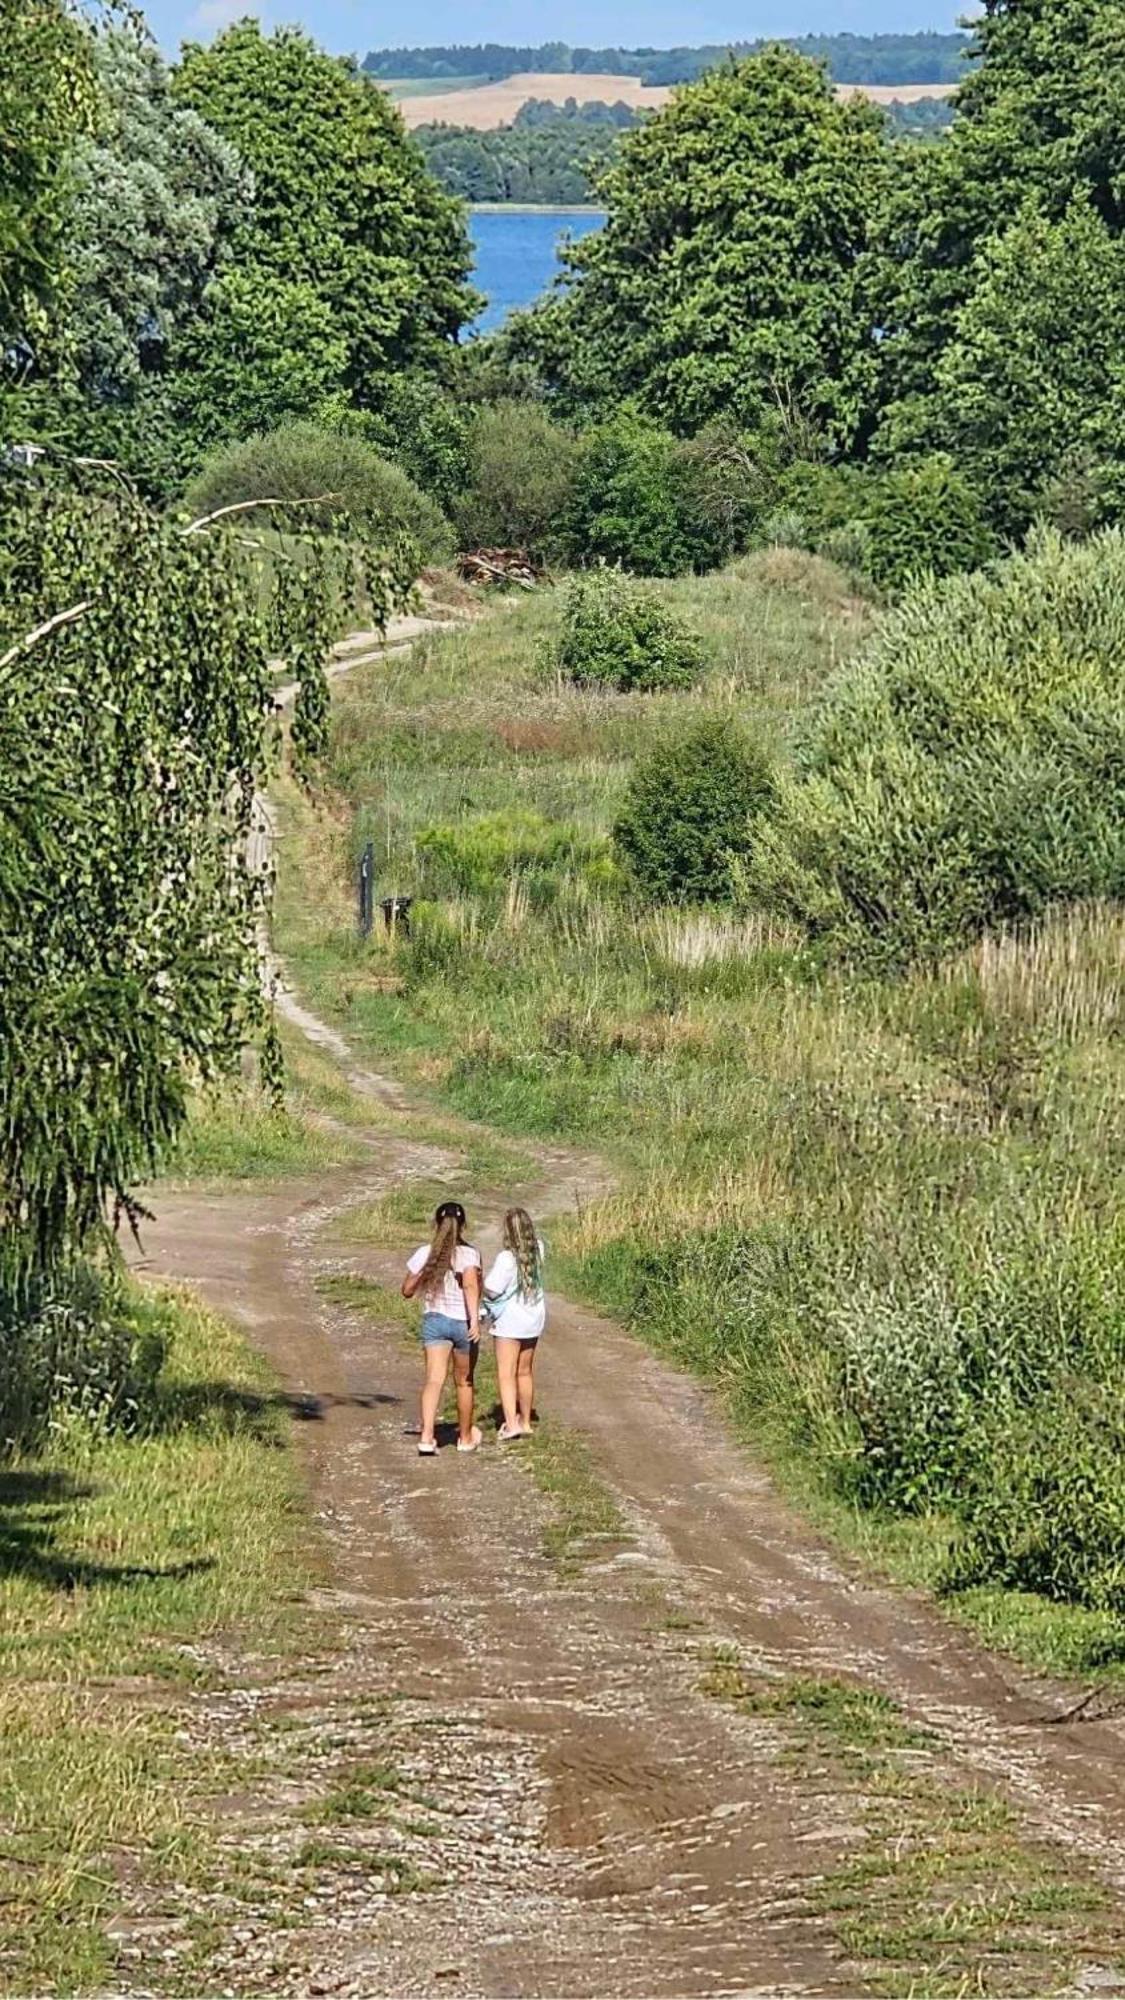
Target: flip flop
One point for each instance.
(509, 1437)
(427, 1451)
(474, 1446)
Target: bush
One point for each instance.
(640, 499)
(924, 520)
(480, 856)
(849, 547)
(785, 528)
(304, 462)
(727, 479)
(521, 480)
(424, 432)
(1045, 1509)
(970, 771)
(825, 497)
(688, 812)
(616, 634)
(73, 1343)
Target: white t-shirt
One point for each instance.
(520, 1319)
(449, 1296)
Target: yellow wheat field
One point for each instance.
(488, 105)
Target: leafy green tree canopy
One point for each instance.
(1040, 116)
(47, 97)
(344, 204)
(725, 276)
(157, 198)
(1034, 377)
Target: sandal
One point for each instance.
(427, 1451)
(507, 1436)
(474, 1445)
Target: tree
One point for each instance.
(47, 97)
(344, 204)
(135, 694)
(1040, 116)
(725, 276)
(265, 351)
(157, 199)
(1034, 374)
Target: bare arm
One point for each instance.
(411, 1283)
(472, 1283)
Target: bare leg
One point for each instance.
(464, 1369)
(525, 1383)
(437, 1368)
(507, 1357)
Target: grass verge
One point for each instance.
(133, 1568)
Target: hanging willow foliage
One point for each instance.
(134, 697)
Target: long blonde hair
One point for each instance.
(449, 1232)
(521, 1240)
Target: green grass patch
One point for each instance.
(940, 1892)
(133, 1566)
(363, 1794)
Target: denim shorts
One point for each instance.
(438, 1329)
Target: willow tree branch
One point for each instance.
(32, 639)
(247, 507)
(76, 611)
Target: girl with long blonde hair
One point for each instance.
(517, 1309)
(447, 1272)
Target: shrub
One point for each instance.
(785, 528)
(616, 634)
(73, 1342)
(849, 547)
(479, 856)
(304, 462)
(1045, 1508)
(521, 480)
(970, 771)
(639, 501)
(727, 480)
(424, 432)
(688, 813)
(925, 519)
(824, 496)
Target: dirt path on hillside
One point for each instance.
(584, 1819)
(597, 1824)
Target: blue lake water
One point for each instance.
(517, 254)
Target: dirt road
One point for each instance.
(533, 1786)
(593, 1823)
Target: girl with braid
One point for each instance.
(447, 1272)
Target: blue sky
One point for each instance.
(358, 25)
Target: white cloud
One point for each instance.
(212, 15)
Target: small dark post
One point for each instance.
(367, 890)
(396, 911)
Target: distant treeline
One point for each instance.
(556, 153)
(884, 59)
(552, 153)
